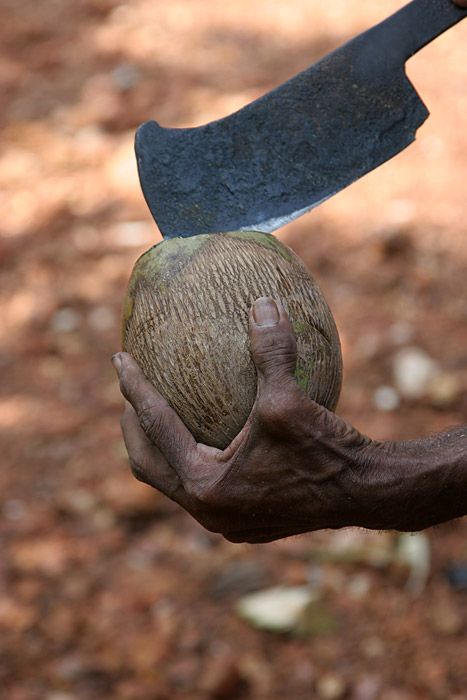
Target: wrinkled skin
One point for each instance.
(294, 467)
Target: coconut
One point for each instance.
(185, 322)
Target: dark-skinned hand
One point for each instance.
(240, 491)
(294, 467)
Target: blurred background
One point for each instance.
(107, 590)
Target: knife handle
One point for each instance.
(416, 25)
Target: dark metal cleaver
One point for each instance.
(298, 145)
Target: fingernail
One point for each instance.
(265, 312)
(117, 363)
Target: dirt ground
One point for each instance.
(107, 590)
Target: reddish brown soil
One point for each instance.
(107, 590)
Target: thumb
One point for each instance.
(273, 344)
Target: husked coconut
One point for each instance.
(185, 322)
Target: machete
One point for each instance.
(296, 146)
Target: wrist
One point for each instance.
(413, 485)
(368, 488)
(377, 491)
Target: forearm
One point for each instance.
(416, 484)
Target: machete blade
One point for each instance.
(295, 147)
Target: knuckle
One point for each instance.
(150, 420)
(275, 349)
(277, 344)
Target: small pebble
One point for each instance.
(331, 687)
(386, 399)
(445, 390)
(125, 76)
(414, 550)
(359, 586)
(276, 609)
(66, 321)
(414, 371)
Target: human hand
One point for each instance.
(293, 468)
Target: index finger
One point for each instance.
(158, 420)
